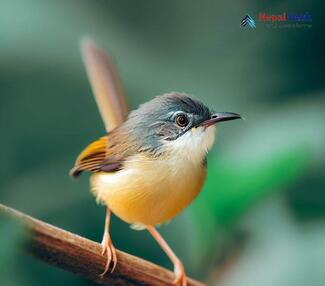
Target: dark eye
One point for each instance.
(181, 120)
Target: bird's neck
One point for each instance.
(192, 147)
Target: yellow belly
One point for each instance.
(149, 191)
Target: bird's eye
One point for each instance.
(181, 120)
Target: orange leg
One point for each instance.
(180, 279)
(107, 246)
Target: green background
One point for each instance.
(260, 218)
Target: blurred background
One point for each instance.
(260, 218)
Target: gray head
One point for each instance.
(168, 118)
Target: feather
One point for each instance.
(91, 158)
(105, 154)
(105, 84)
(112, 105)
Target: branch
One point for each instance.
(82, 256)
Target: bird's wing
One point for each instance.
(96, 157)
(91, 158)
(105, 84)
(102, 74)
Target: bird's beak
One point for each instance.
(220, 116)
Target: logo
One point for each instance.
(286, 20)
(282, 20)
(248, 21)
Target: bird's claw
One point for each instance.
(179, 271)
(109, 250)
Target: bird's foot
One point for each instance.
(109, 250)
(180, 274)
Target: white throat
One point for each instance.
(193, 145)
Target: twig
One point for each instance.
(82, 256)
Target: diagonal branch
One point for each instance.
(82, 256)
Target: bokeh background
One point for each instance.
(260, 218)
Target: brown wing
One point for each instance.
(96, 157)
(91, 158)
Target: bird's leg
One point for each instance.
(180, 279)
(107, 245)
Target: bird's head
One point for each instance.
(176, 123)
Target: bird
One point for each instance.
(152, 162)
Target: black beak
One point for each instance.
(220, 116)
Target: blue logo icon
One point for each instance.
(248, 21)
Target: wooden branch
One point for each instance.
(82, 256)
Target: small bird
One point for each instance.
(152, 166)
(152, 163)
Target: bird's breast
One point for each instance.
(149, 191)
